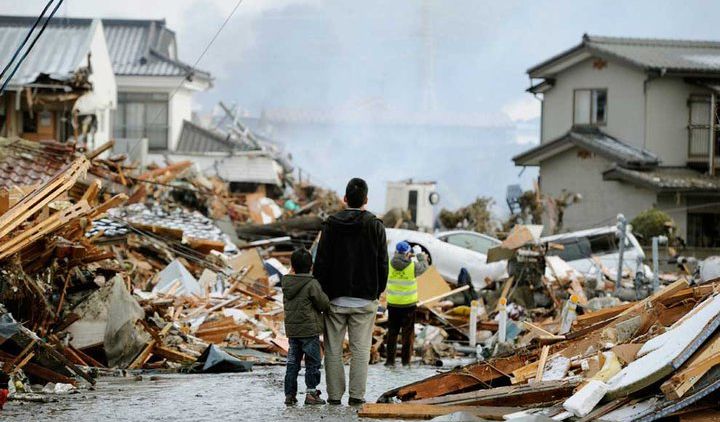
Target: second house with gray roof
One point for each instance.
(632, 124)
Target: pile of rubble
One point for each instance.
(106, 267)
(555, 343)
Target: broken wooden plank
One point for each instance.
(534, 394)
(481, 373)
(541, 363)
(424, 411)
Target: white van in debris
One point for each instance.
(580, 247)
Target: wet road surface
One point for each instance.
(255, 396)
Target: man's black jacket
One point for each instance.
(352, 258)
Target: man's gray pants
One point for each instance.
(359, 324)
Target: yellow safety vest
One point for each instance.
(402, 286)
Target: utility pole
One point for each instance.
(622, 227)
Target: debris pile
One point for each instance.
(107, 266)
(552, 341)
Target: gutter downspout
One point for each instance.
(711, 140)
(646, 83)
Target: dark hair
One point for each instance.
(356, 192)
(301, 261)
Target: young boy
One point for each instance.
(303, 300)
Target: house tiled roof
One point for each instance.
(137, 47)
(666, 179)
(27, 163)
(681, 56)
(59, 53)
(145, 48)
(593, 140)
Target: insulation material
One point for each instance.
(585, 400)
(556, 369)
(609, 369)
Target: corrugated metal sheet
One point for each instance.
(194, 138)
(60, 52)
(242, 167)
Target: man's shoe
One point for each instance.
(389, 364)
(290, 400)
(314, 398)
(355, 402)
(334, 402)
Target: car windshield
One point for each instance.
(470, 241)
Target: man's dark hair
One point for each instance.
(301, 261)
(356, 192)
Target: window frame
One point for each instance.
(144, 98)
(593, 108)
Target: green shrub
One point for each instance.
(650, 223)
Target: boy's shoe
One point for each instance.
(334, 402)
(290, 400)
(355, 402)
(313, 398)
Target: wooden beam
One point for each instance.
(541, 363)
(443, 295)
(477, 374)
(424, 411)
(505, 291)
(534, 394)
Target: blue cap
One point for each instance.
(402, 247)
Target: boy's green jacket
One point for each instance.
(303, 300)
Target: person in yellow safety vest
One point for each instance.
(402, 301)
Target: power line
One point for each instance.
(200, 57)
(30, 47)
(24, 41)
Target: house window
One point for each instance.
(590, 107)
(699, 127)
(141, 115)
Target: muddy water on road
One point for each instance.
(255, 396)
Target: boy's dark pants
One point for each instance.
(299, 347)
(400, 319)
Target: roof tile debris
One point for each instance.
(27, 163)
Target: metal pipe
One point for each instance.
(656, 242)
(711, 149)
(622, 227)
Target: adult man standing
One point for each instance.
(351, 265)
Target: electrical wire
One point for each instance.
(200, 57)
(30, 47)
(24, 41)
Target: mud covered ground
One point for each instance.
(255, 396)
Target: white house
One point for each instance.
(632, 124)
(155, 87)
(65, 87)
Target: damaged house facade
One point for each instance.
(99, 79)
(632, 124)
(65, 89)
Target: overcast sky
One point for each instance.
(410, 57)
